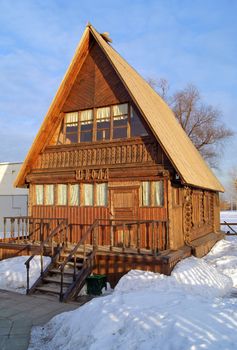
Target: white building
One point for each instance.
(13, 201)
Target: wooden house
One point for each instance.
(113, 162)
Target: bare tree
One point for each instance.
(201, 121)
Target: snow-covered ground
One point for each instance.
(13, 272)
(194, 308)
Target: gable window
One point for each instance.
(137, 127)
(103, 123)
(86, 125)
(49, 194)
(152, 193)
(62, 194)
(71, 127)
(120, 121)
(39, 194)
(74, 195)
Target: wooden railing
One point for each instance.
(21, 228)
(230, 225)
(150, 235)
(55, 242)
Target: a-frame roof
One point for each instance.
(182, 153)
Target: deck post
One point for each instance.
(138, 237)
(4, 229)
(12, 227)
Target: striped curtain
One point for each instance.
(101, 194)
(74, 195)
(158, 193)
(49, 194)
(62, 194)
(71, 118)
(88, 194)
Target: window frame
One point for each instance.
(151, 194)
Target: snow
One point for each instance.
(228, 216)
(194, 308)
(13, 272)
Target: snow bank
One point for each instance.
(13, 272)
(191, 309)
(201, 278)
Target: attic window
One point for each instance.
(86, 125)
(120, 121)
(71, 127)
(103, 123)
(137, 127)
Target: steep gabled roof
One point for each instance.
(182, 153)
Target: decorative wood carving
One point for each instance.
(100, 154)
(92, 174)
(187, 215)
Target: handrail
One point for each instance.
(82, 240)
(85, 262)
(40, 250)
(229, 225)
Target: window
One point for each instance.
(86, 125)
(62, 194)
(39, 194)
(120, 121)
(103, 123)
(49, 194)
(71, 127)
(74, 195)
(88, 194)
(152, 194)
(137, 127)
(101, 194)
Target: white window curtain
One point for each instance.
(39, 194)
(72, 118)
(87, 116)
(103, 113)
(49, 194)
(88, 194)
(146, 190)
(120, 109)
(101, 194)
(158, 193)
(62, 194)
(74, 195)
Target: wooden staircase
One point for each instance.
(70, 265)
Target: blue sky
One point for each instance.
(181, 40)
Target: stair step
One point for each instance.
(66, 271)
(50, 288)
(57, 279)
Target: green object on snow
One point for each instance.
(95, 284)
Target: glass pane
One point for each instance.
(120, 121)
(103, 124)
(49, 194)
(71, 117)
(71, 128)
(86, 136)
(88, 194)
(103, 135)
(71, 138)
(158, 193)
(39, 194)
(74, 195)
(103, 113)
(62, 194)
(86, 116)
(137, 128)
(146, 193)
(120, 133)
(120, 109)
(101, 194)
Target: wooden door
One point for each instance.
(124, 207)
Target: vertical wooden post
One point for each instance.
(18, 230)
(138, 237)
(4, 229)
(124, 243)
(12, 227)
(153, 237)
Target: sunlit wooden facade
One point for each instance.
(98, 155)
